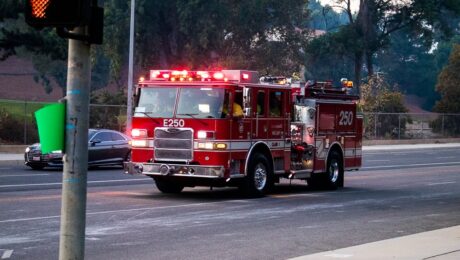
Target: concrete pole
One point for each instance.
(73, 210)
(130, 71)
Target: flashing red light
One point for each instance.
(179, 73)
(218, 75)
(245, 76)
(203, 74)
(154, 74)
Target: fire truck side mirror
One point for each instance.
(247, 112)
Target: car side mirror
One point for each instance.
(95, 141)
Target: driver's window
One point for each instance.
(103, 137)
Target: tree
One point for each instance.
(448, 84)
(376, 20)
(410, 64)
(379, 97)
(261, 35)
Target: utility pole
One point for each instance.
(82, 22)
(129, 109)
(73, 209)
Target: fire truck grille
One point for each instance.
(173, 144)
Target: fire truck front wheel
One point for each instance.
(259, 179)
(168, 186)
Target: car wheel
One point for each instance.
(168, 186)
(259, 179)
(128, 157)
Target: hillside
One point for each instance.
(16, 82)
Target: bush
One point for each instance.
(9, 127)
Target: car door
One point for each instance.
(100, 147)
(120, 147)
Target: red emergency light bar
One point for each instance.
(224, 75)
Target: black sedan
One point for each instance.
(105, 147)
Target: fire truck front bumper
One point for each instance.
(185, 170)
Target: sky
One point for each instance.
(354, 4)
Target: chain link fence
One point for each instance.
(18, 126)
(378, 126)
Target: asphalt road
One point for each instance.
(396, 193)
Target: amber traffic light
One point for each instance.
(57, 13)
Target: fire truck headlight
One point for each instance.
(139, 133)
(139, 143)
(205, 135)
(211, 146)
(206, 145)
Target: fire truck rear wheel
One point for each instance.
(259, 179)
(167, 186)
(334, 175)
(332, 178)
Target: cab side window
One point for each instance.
(276, 103)
(260, 103)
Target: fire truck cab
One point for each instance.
(232, 128)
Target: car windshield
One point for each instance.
(91, 133)
(156, 102)
(204, 102)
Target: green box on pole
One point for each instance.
(51, 127)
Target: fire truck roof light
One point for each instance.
(203, 76)
(218, 75)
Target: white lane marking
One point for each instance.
(60, 183)
(23, 175)
(339, 255)
(441, 183)
(405, 165)
(7, 254)
(118, 211)
(446, 157)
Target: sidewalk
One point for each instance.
(441, 244)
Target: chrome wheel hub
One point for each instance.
(334, 171)
(260, 176)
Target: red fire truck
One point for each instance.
(232, 128)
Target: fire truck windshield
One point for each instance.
(156, 102)
(201, 102)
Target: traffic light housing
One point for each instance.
(57, 13)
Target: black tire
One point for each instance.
(259, 179)
(334, 173)
(127, 157)
(168, 186)
(333, 178)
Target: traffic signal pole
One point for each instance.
(74, 181)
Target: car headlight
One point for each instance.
(27, 149)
